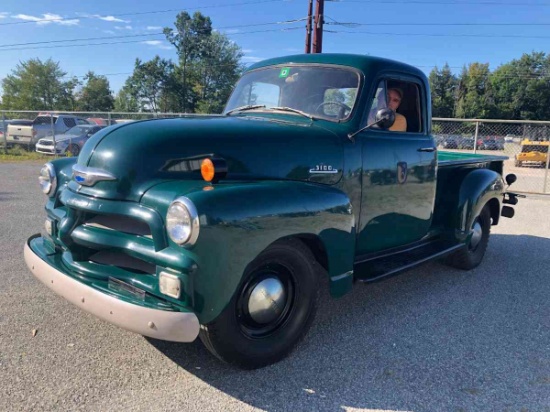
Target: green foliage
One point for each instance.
(125, 101)
(443, 84)
(475, 94)
(37, 85)
(96, 94)
(522, 88)
(150, 84)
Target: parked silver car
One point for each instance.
(43, 125)
(69, 142)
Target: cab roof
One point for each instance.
(363, 63)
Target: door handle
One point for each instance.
(426, 149)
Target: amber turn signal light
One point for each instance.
(213, 169)
(207, 170)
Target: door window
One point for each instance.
(404, 99)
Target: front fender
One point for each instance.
(240, 220)
(478, 188)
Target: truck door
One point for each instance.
(399, 170)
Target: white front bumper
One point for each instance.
(158, 324)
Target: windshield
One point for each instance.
(327, 92)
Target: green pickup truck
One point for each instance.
(227, 226)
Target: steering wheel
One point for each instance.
(343, 108)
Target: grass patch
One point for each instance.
(18, 154)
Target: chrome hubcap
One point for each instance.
(477, 233)
(267, 300)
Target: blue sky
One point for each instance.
(416, 31)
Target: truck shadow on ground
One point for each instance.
(435, 338)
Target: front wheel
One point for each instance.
(271, 311)
(472, 254)
(74, 149)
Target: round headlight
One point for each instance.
(182, 221)
(47, 179)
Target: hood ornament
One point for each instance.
(89, 176)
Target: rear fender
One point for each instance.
(478, 188)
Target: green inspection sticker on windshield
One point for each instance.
(285, 71)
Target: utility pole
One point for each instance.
(308, 27)
(318, 30)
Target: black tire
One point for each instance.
(471, 255)
(74, 149)
(235, 338)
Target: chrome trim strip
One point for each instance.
(342, 276)
(155, 323)
(89, 176)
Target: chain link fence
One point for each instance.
(525, 143)
(60, 133)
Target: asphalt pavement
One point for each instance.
(433, 339)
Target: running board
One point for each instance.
(378, 268)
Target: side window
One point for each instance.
(404, 99)
(81, 121)
(69, 122)
(378, 102)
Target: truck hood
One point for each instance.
(142, 154)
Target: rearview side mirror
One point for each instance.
(385, 118)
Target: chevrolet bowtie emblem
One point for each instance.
(89, 176)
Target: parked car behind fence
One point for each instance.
(69, 142)
(45, 124)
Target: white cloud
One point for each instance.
(154, 28)
(110, 18)
(252, 59)
(247, 51)
(47, 18)
(157, 43)
(3, 15)
(127, 27)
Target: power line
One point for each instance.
(145, 34)
(438, 35)
(82, 39)
(146, 12)
(134, 41)
(436, 24)
(449, 3)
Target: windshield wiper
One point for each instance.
(243, 108)
(290, 109)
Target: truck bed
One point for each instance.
(446, 159)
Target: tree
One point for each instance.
(96, 94)
(216, 73)
(189, 38)
(149, 84)
(126, 102)
(475, 95)
(209, 63)
(522, 88)
(443, 84)
(37, 85)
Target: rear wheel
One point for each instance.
(471, 256)
(271, 311)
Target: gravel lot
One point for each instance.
(435, 339)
